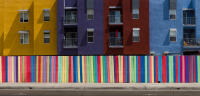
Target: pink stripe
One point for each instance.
(72, 67)
(85, 69)
(108, 67)
(150, 74)
(183, 69)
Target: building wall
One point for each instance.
(160, 25)
(12, 26)
(130, 47)
(1, 25)
(84, 48)
(35, 26)
(40, 48)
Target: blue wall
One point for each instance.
(160, 25)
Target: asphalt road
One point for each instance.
(32, 89)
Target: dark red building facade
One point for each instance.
(126, 27)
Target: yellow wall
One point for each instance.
(35, 26)
(1, 25)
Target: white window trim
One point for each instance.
(49, 14)
(89, 30)
(23, 15)
(24, 32)
(138, 29)
(174, 14)
(172, 29)
(47, 31)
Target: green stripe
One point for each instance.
(94, 69)
(67, 68)
(171, 69)
(131, 68)
(59, 69)
(146, 69)
(88, 73)
(134, 69)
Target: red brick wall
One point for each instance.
(134, 48)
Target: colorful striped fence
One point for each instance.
(100, 69)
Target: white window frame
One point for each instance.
(135, 29)
(134, 12)
(22, 37)
(172, 30)
(46, 10)
(47, 31)
(23, 15)
(90, 30)
(172, 12)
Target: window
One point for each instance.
(46, 14)
(136, 34)
(90, 34)
(46, 36)
(24, 37)
(24, 16)
(135, 8)
(172, 35)
(90, 9)
(172, 9)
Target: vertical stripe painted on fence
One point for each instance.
(100, 69)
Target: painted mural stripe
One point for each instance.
(198, 61)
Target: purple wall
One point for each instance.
(84, 48)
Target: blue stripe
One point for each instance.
(174, 69)
(126, 75)
(187, 69)
(32, 69)
(167, 69)
(96, 71)
(50, 64)
(179, 71)
(196, 69)
(106, 71)
(75, 69)
(142, 69)
(137, 69)
(160, 69)
(6, 69)
(81, 77)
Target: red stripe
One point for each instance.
(164, 71)
(3, 69)
(99, 69)
(194, 70)
(124, 69)
(139, 69)
(117, 70)
(56, 69)
(70, 79)
(39, 69)
(29, 68)
(156, 69)
(25, 68)
(176, 69)
(190, 69)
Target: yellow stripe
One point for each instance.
(47, 69)
(0, 70)
(92, 72)
(120, 70)
(83, 68)
(111, 69)
(78, 69)
(101, 69)
(19, 65)
(152, 66)
(13, 71)
(41, 69)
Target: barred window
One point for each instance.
(24, 16)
